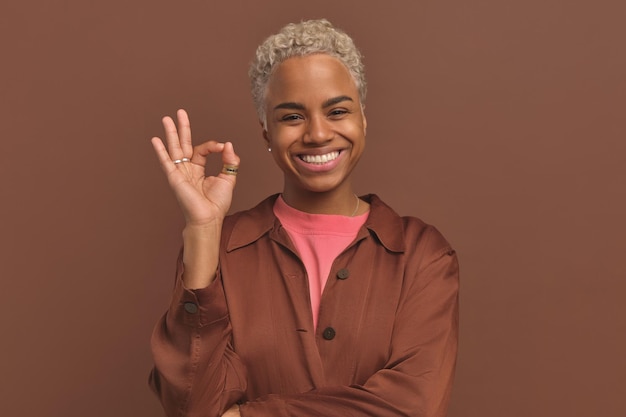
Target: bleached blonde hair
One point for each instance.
(301, 39)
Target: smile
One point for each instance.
(319, 159)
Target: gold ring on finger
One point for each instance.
(230, 169)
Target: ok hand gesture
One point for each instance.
(203, 199)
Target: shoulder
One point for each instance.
(408, 234)
(244, 227)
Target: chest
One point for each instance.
(267, 291)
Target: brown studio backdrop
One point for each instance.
(502, 123)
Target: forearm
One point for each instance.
(419, 386)
(196, 369)
(389, 394)
(200, 254)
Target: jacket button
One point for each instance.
(191, 308)
(343, 273)
(329, 333)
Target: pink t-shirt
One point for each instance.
(319, 239)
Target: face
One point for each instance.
(315, 123)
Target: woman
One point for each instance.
(316, 302)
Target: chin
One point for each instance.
(321, 186)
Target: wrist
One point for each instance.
(200, 253)
(201, 230)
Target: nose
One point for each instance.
(318, 131)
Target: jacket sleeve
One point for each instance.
(196, 372)
(417, 378)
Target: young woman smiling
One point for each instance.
(316, 302)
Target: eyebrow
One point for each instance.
(292, 105)
(336, 100)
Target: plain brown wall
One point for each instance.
(501, 122)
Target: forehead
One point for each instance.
(310, 77)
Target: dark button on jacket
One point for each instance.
(329, 333)
(343, 273)
(191, 308)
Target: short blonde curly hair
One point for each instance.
(301, 39)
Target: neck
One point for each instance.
(343, 202)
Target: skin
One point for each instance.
(313, 109)
(204, 200)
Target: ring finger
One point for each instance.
(171, 138)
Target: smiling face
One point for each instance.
(315, 124)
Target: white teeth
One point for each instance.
(319, 159)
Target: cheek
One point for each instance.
(284, 136)
(357, 133)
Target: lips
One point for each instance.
(319, 159)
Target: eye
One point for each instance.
(292, 117)
(337, 113)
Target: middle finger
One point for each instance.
(184, 133)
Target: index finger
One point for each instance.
(202, 151)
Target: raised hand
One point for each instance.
(203, 199)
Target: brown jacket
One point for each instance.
(385, 345)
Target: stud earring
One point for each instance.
(269, 149)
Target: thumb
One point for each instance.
(229, 157)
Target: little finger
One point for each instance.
(164, 158)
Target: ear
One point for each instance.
(265, 134)
(364, 124)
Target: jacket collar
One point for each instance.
(383, 222)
